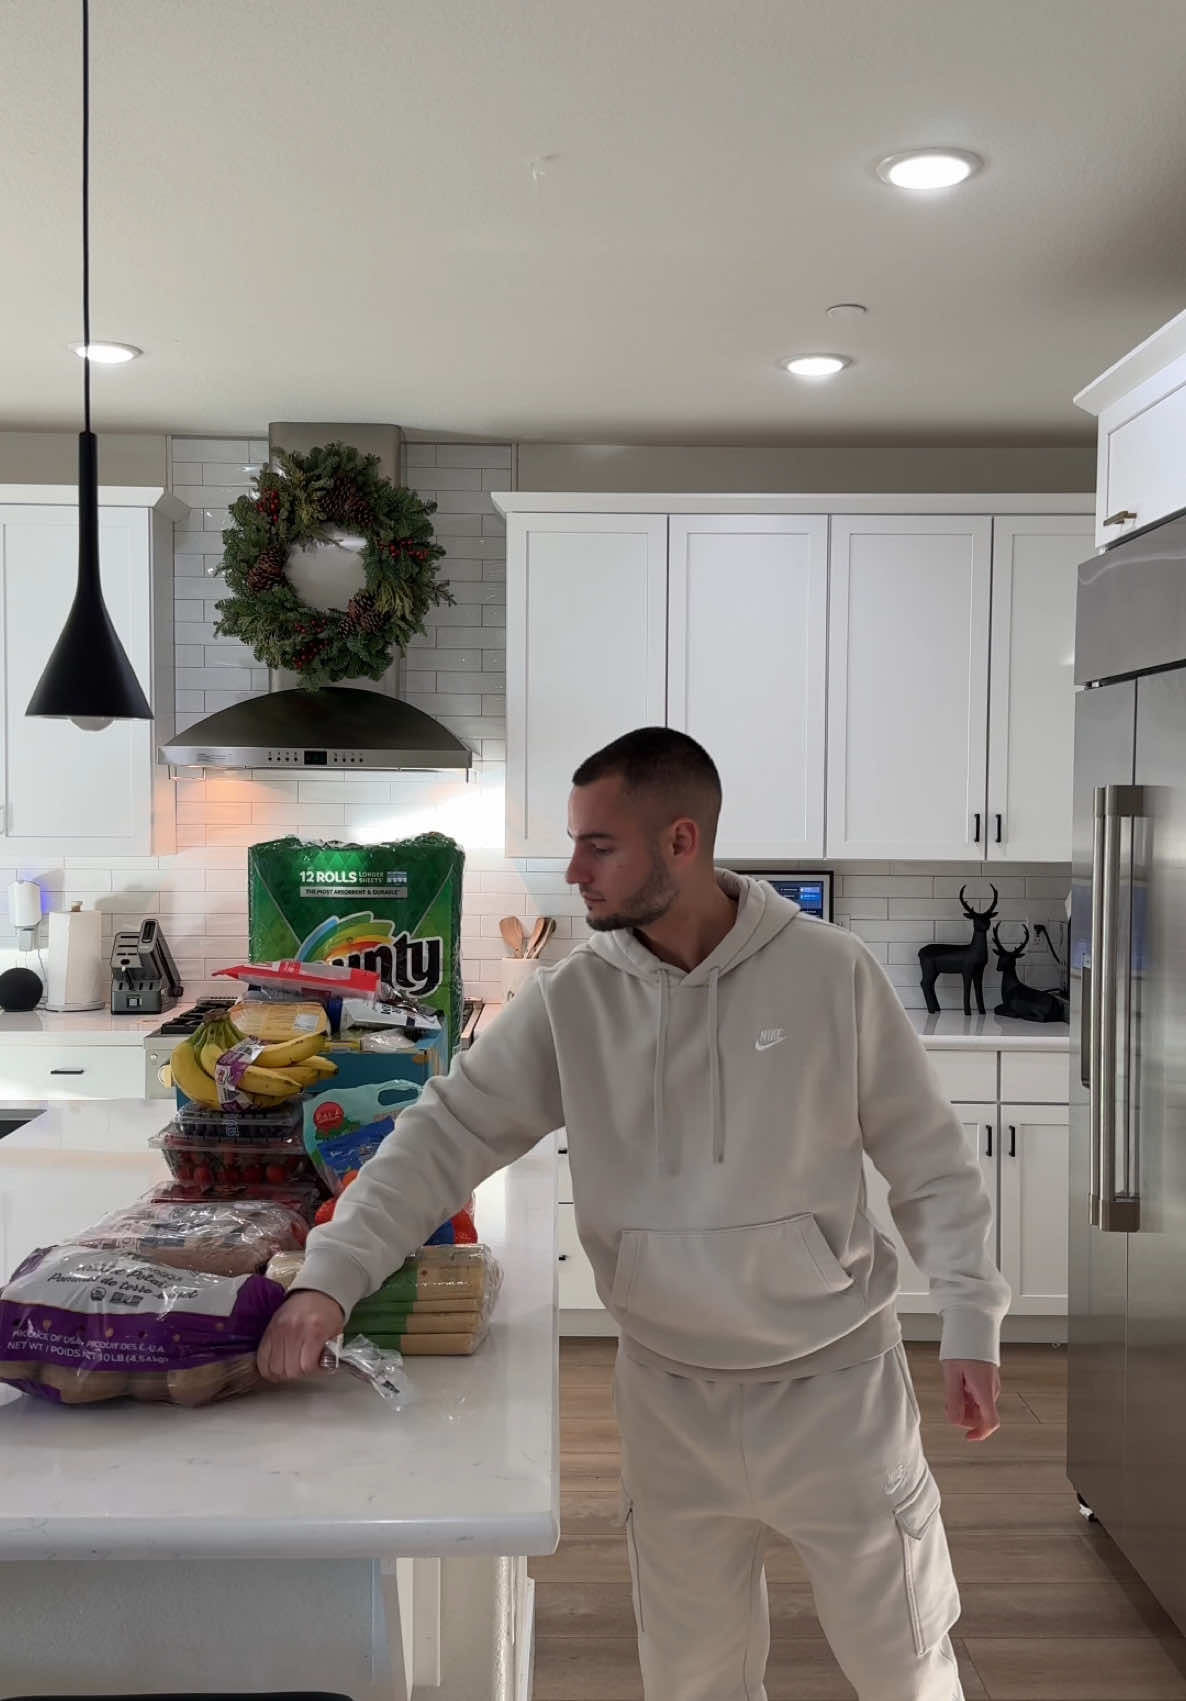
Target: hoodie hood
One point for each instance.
(762, 914)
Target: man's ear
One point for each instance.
(684, 839)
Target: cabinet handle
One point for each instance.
(1012, 1141)
(1120, 517)
(976, 828)
(563, 1151)
(988, 1148)
(1000, 829)
(563, 1258)
(67, 1071)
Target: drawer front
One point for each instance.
(576, 1289)
(46, 1072)
(1042, 1077)
(564, 1180)
(970, 1076)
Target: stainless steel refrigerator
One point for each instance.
(1126, 1436)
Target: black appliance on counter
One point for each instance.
(144, 977)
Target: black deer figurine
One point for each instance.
(1026, 1003)
(969, 960)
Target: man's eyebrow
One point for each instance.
(580, 838)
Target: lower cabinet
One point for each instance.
(41, 1074)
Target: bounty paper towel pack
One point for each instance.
(394, 908)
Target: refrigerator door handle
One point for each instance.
(1118, 1214)
(1092, 992)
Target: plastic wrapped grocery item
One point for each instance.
(256, 1126)
(302, 1200)
(220, 1237)
(460, 1230)
(438, 1303)
(226, 1166)
(79, 1326)
(382, 1371)
(277, 1020)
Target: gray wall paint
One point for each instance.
(51, 457)
(591, 466)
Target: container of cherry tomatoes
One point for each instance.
(227, 1163)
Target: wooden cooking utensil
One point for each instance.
(539, 934)
(511, 929)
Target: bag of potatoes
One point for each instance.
(78, 1325)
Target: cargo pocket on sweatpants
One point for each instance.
(626, 1520)
(931, 1593)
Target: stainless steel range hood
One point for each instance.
(339, 727)
(348, 726)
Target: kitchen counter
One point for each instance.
(340, 1502)
(87, 1027)
(951, 1030)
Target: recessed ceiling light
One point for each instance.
(816, 365)
(847, 310)
(106, 354)
(929, 168)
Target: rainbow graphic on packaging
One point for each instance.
(394, 908)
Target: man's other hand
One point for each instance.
(972, 1388)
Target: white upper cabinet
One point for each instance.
(1141, 406)
(586, 655)
(68, 792)
(908, 686)
(746, 657)
(1032, 690)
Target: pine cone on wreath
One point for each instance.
(364, 612)
(268, 569)
(356, 510)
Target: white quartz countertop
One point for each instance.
(951, 1030)
(324, 1469)
(75, 1027)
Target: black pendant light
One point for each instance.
(88, 678)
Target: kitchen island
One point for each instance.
(306, 1537)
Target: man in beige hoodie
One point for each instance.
(721, 1064)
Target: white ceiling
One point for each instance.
(324, 209)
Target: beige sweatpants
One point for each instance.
(833, 1462)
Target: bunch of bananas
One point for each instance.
(280, 1071)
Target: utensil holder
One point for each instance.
(516, 971)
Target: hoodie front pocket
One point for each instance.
(734, 1298)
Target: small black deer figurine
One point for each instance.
(1026, 1003)
(969, 960)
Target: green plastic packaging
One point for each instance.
(394, 908)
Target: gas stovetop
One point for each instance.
(189, 1020)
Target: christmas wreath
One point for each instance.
(295, 501)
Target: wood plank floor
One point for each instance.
(1052, 1611)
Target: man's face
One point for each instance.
(618, 860)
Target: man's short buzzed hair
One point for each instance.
(658, 759)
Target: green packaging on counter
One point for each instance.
(392, 908)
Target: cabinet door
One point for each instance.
(586, 655)
(67, 790)
(1031, 737)
(908, 686)
(980, 1129)
(1035, 1157)
(746, 655)
(1142, 460)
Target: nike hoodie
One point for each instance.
(717, 1122)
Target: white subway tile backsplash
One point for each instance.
(494, 455)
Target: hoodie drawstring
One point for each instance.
(667, 1154)
(713, 1037)
(662, 1160)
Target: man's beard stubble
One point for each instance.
(643, 908)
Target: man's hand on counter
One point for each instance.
(294, 1339)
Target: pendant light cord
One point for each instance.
(86, 209)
